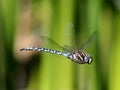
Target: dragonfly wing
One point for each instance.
(84, 45)
(68, 37)
(53, 43)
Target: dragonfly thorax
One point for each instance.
(80, 57)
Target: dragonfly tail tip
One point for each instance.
(22, 49)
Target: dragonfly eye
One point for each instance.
(88, 59)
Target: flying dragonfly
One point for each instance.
(78, 56)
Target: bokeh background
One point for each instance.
(22, 22)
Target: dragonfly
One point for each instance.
(78, 56)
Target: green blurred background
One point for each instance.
(23, 21)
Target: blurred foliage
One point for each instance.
(23, 21)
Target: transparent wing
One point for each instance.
(84, 45)
(68, 39)
(52, 43)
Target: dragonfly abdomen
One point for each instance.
(44, 50)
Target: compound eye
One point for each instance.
(86, 59)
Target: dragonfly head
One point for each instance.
(88, 59)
